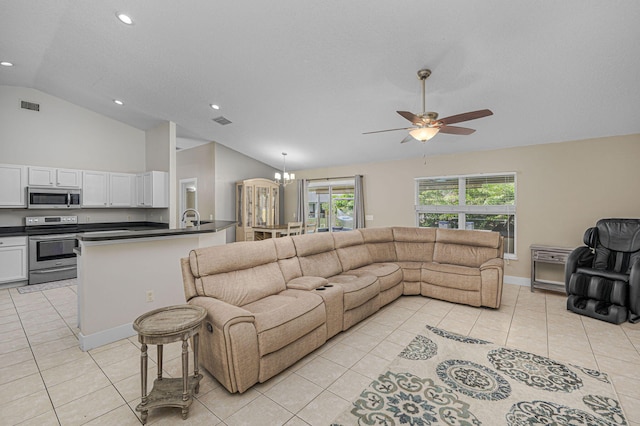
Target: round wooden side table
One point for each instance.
(159, 327)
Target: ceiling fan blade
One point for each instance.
(411, 117)
(409, 138)
(388, 130)
(466, 116)
(455, 130)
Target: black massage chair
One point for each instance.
(602, 279)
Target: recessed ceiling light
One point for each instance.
(125, 19)
(118, 102)
(214, 106)
(6, 64)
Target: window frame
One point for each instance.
(462, 209)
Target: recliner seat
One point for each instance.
(602, 278)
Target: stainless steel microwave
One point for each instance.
(53, 198)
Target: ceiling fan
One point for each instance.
(427, 124)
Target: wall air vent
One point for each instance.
(223, 121)
(30, 105)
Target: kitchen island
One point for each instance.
(125, 273)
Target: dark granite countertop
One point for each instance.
(140, 232)
(117, 230)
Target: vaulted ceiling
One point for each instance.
(308, 78)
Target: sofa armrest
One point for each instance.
(492, 263)
(229, 349)
(491, 273)
(307, 283)
(581, 256)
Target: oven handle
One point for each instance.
(52, 237)
(48, 271)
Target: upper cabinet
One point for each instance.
(152, 189)
(60, 178)
(99, 189)
(95, 189)
(121, 189)
(104, 189)
(13, 181)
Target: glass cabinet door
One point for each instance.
(262, 206)
(275, 217)
(249, 212)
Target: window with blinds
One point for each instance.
(481, 202)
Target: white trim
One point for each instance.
(105, 337)
(523, 281)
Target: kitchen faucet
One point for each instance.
(184, 215)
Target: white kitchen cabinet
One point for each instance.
(42, 176)
(13, 181)
(95, 189)
(13, 259)
(152, 189)
(58, 178)
(68, 178)
(121, 189)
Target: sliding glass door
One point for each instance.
(330, 205)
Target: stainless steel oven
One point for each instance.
(51, 255)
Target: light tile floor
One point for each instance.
(46, 379)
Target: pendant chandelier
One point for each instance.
(284, 178)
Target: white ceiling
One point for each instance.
(309, 77)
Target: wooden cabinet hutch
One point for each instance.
(257, 205)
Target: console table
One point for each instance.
(547, 254)
(159, 327)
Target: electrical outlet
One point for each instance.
(210, 217)
(88, 219)
(149, 296)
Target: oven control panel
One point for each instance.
(50, 220)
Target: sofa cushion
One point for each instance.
(285, 317)
(351, 250)
(414, 244)
(389, 274)
(411, 271)
(466, 248)
(317, 255)
(358, 289)
(231, 257)
(243, 286)
(453, 276)
(379, 242)
(286, 253)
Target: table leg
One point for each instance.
(160, 350)
(143, 374)
(196, 337)
(185, 369)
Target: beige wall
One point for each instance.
(562, 188)
(65, 135)
(199, 163)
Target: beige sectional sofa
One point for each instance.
(272, 302)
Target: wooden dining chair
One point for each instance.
(310, 228)
(293, 228)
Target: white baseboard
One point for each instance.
(523, 281)
(105, 337)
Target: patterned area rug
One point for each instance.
(446, 378)
(47, 286)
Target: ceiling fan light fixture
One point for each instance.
(423, 134)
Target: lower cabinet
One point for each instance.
(13, 259)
